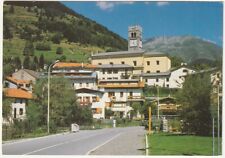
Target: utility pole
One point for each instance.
(218, 118)
(158, 102)
(213, 138)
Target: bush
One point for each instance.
(56, 38)
(43, 46)
(59, 50)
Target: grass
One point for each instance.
(165, 144)
(72, 51)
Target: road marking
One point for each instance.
(58, 145)
(102, 144)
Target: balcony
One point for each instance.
(114, 99)
(136, 98)
(122, 85)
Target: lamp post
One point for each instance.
(49, 68)
(158, 102)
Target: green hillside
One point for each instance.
(189, 48)
(49, 25)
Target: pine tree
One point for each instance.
(26, 62)
(11, 9)
(17, 63)
(28, 49)
(41, 62)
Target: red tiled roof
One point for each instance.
(67, 65)
(17, 93)
(16, 81)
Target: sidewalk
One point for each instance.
(128, 143)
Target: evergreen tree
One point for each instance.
(195, 101)
(26, 62)
(59, 50)
(17, 63)
(11, 9)
(28, 49)
(7, 33)
(41, 62)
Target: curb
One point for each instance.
(146, 144)
(29, 139)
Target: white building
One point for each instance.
(177, 77)
(21, 98)
(11, 82)
(160, 79)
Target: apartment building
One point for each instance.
(84, 81)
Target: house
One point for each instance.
(11, 82)
(21, 98)
(25, 74)
(177, 76)
(167, 105)
(142, 61)
(157, 79)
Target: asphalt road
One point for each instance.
(111, 141)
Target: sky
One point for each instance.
(200, 19)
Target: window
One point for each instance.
(135, 63)
(80, 84)
(94, 99)
(87, 84)
(115, 71)
(167, 86)
(157, 71)
(103, 71)
(185, 70)
(122, 62)
(109, 71)
(167, 79)
(157, 62)
(21, 101)
(121, 94)
(131, 94)
(111, 63)
(148, 71)
(110, 94)
(146, 80)
(99, 63)
(21, 111)
(148, 62)
(79, 99)
(157, 80)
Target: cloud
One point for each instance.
(162, 3)
(110, 5)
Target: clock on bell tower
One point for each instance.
(134, 38)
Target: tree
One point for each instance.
(7, 33)
(8, 69)
(11, 9)
(59, 50)
(17, 62)
(33, 113)
(195, 101)
(34, 64)
(41, 61)
(28, 49)
(64, 111)
(26, 62)
(6, 108)
(56, 38)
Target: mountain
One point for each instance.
(49, 25)
(189, 48)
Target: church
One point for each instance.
(144, 62)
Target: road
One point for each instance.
(110, 141)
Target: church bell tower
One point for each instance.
(134, 38)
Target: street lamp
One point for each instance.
(49, 68)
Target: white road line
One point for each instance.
(102, 144)
(57, 145)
